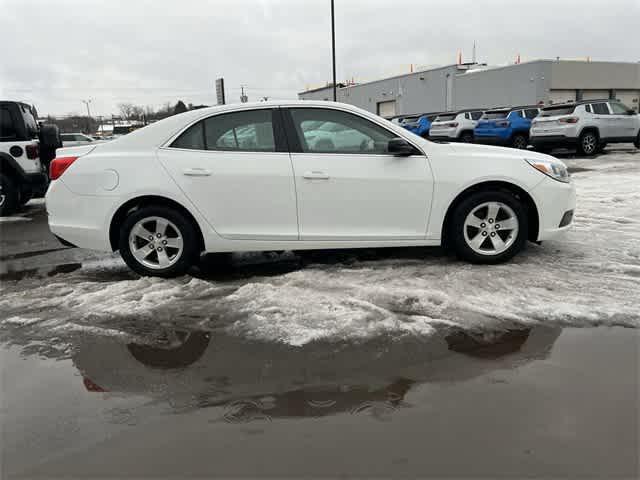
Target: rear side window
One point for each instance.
(517, 113)
(476, 115)
(192, 139)
(7, 128)
(249, 131)
(587, 108)
(531, 113)
(600, 108)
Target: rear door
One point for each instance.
(235, 167)
(354, 189)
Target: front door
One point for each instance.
(235, 168)
(625, 124)
(348, 186)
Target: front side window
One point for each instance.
(600, 109)
(340, 132)
(618, 108)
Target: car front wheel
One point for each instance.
(520, 142)
(489, 227)
(158, 242)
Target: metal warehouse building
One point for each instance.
(456, 87)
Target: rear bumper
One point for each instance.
(491, 140)
(551, 141)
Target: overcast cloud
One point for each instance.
(56, 53)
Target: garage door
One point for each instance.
(595, 94)
(630, 98)
(387, 109)
(562, 96)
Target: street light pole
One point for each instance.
(333, 49)
(87, 102)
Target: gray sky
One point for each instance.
(56, 53)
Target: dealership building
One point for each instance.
(455, 87)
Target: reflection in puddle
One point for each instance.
(251, 381)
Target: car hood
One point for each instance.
(488, 150)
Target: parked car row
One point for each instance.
(587, 126)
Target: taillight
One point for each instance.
(568, 120)
(33, 151)
(92, 387)
(452, 124)
(59, 165)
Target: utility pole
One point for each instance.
(333, 49)
(243, 97)
(87, 102)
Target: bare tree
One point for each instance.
(126, 110)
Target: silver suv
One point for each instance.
(455, 126)
(588, 126)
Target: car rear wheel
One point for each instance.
(489, 227)
(466, 137)
(159, 242)
(9, 196)
(588, 144)
(520, 142)
(637, 142)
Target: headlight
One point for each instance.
(552, 168)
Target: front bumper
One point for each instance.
(556, 203)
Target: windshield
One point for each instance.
(555, 111)
(495, 115)
(447, 117)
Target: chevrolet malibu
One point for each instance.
(251, 177)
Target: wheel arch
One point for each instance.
(500, 185)
(591, 128)
(143, 201)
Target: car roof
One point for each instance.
(511, 109)
(579, 102)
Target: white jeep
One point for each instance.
(587, 126)
(455, 126)
(22, 174)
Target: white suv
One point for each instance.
(455, 126)
(587, 126)
(22, 174)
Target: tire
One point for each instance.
(637, 142)
(173, 253)
(9, 196)
(191, 346)
(25, 196)
(588, 143)
(476, 244)
(466, 137)
(519, 141)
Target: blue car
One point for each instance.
(421, 124)
(506, 126)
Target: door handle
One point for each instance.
(315, 176)
(196, 172)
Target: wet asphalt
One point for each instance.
(186, 399)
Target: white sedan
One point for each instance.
(249, 177)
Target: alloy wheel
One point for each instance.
(491, 228)
(520, 143)
(589, 143)
(156, 243)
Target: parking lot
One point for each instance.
(372, 362)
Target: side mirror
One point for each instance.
(400, 147)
